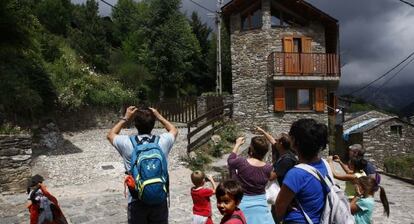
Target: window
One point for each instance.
(280, 18)
(296, 99)
(299, 99)
(297, 45)
(396, 130)
(276, 16)
(252, 19)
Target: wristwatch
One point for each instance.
(124, 119)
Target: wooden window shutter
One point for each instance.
(288, 49)
(287, 44)
(279, 97)
(306, 44)
(320, 94)
(307, 67)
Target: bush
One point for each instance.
(7, 129)
(230, 132)
(77, 85)
(402, 166)
(199, 162)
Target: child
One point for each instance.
(356, 166)
(42, 205)
(229, 195)
(363, 204)
(201, 198)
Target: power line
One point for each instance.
(392, 77)
(408, 3)
(364, 87)
(201, 6)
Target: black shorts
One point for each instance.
(140, 213)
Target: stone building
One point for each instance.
(381, 137)
(285, 62)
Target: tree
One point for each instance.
(200, 74)
(26, 90)
(89, 36)
(54, 15)
(127, 17)
(172, 47)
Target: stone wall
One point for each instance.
(15, 157)
(88, 118)
(251, 83)
(380, 143)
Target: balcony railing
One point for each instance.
(321, 64)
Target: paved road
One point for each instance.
(90, 194)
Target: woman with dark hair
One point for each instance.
(252, 174)
(283, 158)
(308, 138)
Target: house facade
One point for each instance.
(381, 137)
(285, 62)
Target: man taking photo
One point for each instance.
(147, 202)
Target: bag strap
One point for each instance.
(235, 216)
(308, 219)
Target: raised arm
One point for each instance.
(129, 115)
(343, 177)
(268, 136)
(213, 183)
(343, 165)
(239, 142)
(167, 125)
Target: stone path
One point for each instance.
(90, 194)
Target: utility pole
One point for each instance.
(219, 88)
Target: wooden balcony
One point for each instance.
(303, 64)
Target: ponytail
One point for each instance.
(384, 201)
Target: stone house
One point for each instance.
(381, 137)
(285, 62)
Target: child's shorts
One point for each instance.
(198, 219)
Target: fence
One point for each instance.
(180, 110)
(207, 119)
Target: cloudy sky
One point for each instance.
(375, 35)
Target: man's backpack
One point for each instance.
(336, 209)
(149, 170)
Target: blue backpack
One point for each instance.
(149, 170)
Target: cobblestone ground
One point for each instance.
(88, 193)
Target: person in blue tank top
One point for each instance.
(308, 138)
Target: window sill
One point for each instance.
(299, 111)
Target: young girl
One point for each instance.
(229, 195)
(363, 204)
(356, 165)
(43, 206)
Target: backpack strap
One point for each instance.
(308, 219)
(235, 216)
